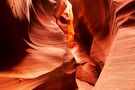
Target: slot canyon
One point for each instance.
(67, 45)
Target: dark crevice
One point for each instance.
(126, 9)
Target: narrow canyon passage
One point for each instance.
(67, 44)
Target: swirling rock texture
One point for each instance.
(33, 47)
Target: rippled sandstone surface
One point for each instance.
(34, 54)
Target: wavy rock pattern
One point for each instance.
(34, 55)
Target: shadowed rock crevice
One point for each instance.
(12, 44)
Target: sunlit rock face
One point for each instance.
(118, 72)
(33, 48)
(116, 20)
(34, 52)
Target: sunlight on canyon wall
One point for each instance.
(67, 45)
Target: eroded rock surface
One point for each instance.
(34, 52)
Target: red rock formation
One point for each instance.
(33, 45)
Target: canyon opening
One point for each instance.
(67, 45)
